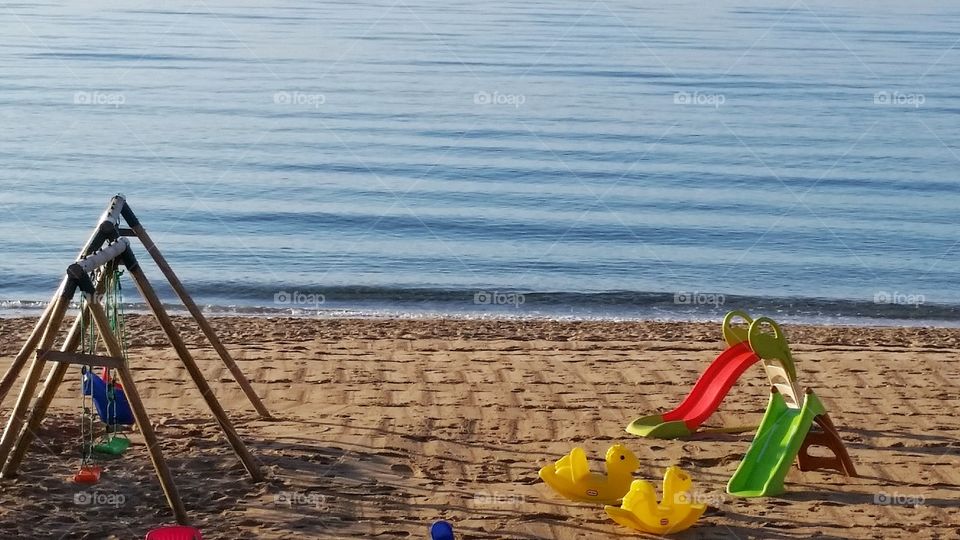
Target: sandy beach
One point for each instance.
(384, 426)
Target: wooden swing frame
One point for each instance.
(108, 248)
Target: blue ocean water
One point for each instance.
(592, 159)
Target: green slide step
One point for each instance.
(655, 427)
(774, 448)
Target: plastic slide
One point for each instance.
(703, 400)
(97, 388)
(778, 440)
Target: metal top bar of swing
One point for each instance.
(114, 209)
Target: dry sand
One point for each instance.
(384, 426)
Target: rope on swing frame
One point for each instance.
(88, 344)
(114, 304)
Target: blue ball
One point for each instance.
(441, 530)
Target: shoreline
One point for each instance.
(884, 310)
(920, 337)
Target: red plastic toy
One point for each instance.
(176, 532)
(708, 392)
(88, 474)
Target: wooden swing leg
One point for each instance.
(150, 296)
(19, 415)
(140, 415)
(153, 446)
(197, 314)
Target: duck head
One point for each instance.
(641, 497)
(621, 460)
(676, 484)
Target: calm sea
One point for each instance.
(612, 159)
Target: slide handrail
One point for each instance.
(736, 334)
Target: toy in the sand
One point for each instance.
(570, 476)
(709, 390)
(176, 532)
(107, 251)
(675, 512)
(88, 474)
(785, 431)
(441, 530)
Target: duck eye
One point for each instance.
(622, 457)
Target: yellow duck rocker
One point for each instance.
(570, 476)
(676, 512)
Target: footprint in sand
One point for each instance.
(402, 470)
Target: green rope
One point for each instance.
(114, 303)
(88, 342)
(89, 337)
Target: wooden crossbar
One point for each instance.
(81, 359)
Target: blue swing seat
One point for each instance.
(97, 388)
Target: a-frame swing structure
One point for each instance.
(107, 250)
